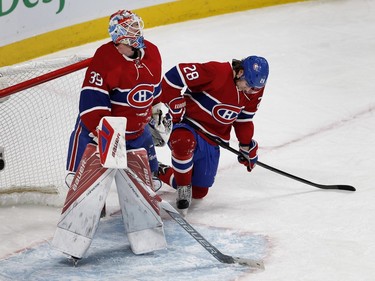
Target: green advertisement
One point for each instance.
(8, 9)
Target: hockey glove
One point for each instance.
(161, 127)
(249, 157)
(167, 122)
(177, 109)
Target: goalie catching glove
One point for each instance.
(250, 156)
(160, 126)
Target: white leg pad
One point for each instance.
(81, 212)
(141, 215)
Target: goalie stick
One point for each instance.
(175, 215)
(226, 146)
(257, 264)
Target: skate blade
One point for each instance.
(74, 260)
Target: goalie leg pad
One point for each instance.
(140, 211)
(81, 212)
(141, 215)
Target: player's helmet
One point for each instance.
(125, 27)
(255, 71)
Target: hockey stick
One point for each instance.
(256, 264)
(150, 195)
(207, 245)
(226, 146)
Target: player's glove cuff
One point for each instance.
(177, 109)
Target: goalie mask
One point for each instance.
(125, 27)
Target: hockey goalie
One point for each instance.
(101, 165)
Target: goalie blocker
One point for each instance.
(81, 212)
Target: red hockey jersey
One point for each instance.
(116, 85)
(213, 101)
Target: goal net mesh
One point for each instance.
(36, 124)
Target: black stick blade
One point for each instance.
(335, 186)
(346, 187)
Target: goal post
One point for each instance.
(38, 109)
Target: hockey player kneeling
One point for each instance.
(99, 166)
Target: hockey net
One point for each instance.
(38, 108)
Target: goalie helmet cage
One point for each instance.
(38, 109)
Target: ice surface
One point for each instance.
(316, 121)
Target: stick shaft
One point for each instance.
(226, 146)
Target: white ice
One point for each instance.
(316, 121)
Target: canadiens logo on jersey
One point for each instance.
(225, 114)
(141, 96)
